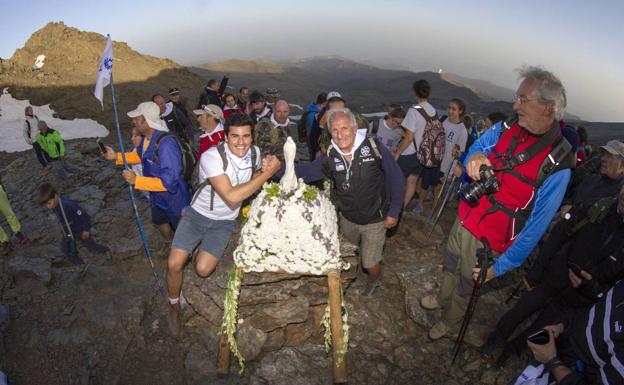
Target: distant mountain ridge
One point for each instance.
(365, 87)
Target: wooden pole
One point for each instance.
(335, 313)
(223, 357)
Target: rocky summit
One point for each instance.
(104, 322)
(67, 78)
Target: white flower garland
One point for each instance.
(294, 232)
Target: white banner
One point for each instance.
(104, 71)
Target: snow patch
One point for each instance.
(12, 124)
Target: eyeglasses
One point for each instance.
(522, 99)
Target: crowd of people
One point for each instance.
(531, 186)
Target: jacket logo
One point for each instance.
(365, 151)
(618, 327)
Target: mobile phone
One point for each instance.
(102, 146)
(541, 337)
(576, 269)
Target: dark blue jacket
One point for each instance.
(169, 169)
(77, 217)
(394, 183)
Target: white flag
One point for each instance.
(104, 71)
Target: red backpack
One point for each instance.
(431, 150)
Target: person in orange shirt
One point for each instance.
(161, 158)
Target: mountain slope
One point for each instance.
(68, 76)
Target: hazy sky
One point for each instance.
(580, 41)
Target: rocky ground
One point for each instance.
(104, 323)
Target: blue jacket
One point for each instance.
(169, 170)
(313, 109)
(549, 197)
(78, 219)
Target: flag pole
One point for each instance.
(132, 197)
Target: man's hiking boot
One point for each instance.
(430, 302)
(174, 318)
(438, 331)
(23, 239)
(371, 285)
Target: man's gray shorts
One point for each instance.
(370, 238)
(195, 228)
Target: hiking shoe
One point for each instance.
(7, 247)
(370, 287)
(417, 209)
(430, 302)
(23, 239)
(174, 319)
(438, 331)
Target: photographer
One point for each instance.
(581, 258)
(594, 337)
(520, 173)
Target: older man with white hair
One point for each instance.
(521, 170)
(368, 187)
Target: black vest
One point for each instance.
(361, 198)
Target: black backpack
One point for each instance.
(188, 155)
(302, 127)
(221, 150)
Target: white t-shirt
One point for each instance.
(415, 122)
(456, 135)
(239, 170)
(390, 137)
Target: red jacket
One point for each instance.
(229, 111)
(498, 227)
(207, 140)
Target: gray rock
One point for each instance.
(31, 267)
(268, 293)
(75, 336)
(198, 364)
(275, 340)
(203, 304)
(307, 365)
(250, 341)
(273, 316)
(89, 197)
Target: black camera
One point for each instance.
(487, 184)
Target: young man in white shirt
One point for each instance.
(209, 221)
(414, 125)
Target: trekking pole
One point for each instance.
(132, 198)
(437, 199)
(484, 256)
(441, 209)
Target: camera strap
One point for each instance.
(509, 161)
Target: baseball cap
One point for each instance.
(614, 147)
(151, 112)
(272, 92)
(212, 110)
(174, 91)
(334, 95)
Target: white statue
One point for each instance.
(289, 182)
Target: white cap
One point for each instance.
(151, 112)
(333, 94)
